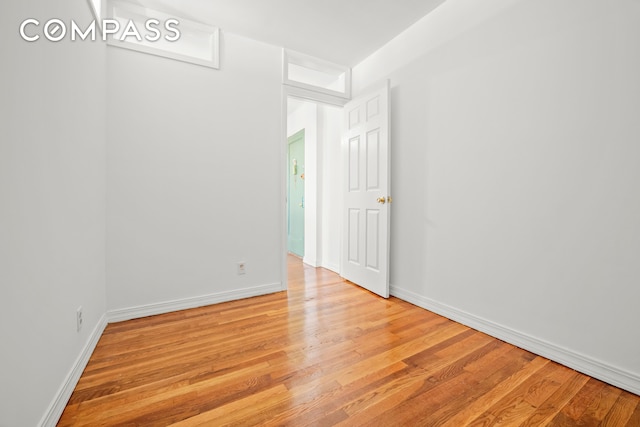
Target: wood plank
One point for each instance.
(634, 420)
(488, 386)
(436, 385)
(600, 406)
(328, 353)
(518, 405)
(552, 406)
(621, 411)
(576, 407)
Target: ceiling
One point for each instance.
(340, 31)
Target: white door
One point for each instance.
(365, 245)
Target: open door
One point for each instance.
(365, 237)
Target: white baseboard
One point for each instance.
(122, 314)
(310, 261)
(54, 412)
(579, 362)
(333, 267)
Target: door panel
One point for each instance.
(365, 259)
(353, 231)
(373, 239)
(373, 160)
(354, 164)
(295, 194)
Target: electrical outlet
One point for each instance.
(242, 267)
(79, 318)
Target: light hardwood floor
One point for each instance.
(328, 353)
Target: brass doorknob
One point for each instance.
(381, 200)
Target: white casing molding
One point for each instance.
(54, 412)
(579, 362)
(123, 314)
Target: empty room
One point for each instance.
(354, 212)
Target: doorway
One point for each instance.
(347, 176)
(321, 125)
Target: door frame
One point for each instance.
(305, 95)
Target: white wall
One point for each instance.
(193, 174)
(330, 133)
(52, 207)
(515, 173)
